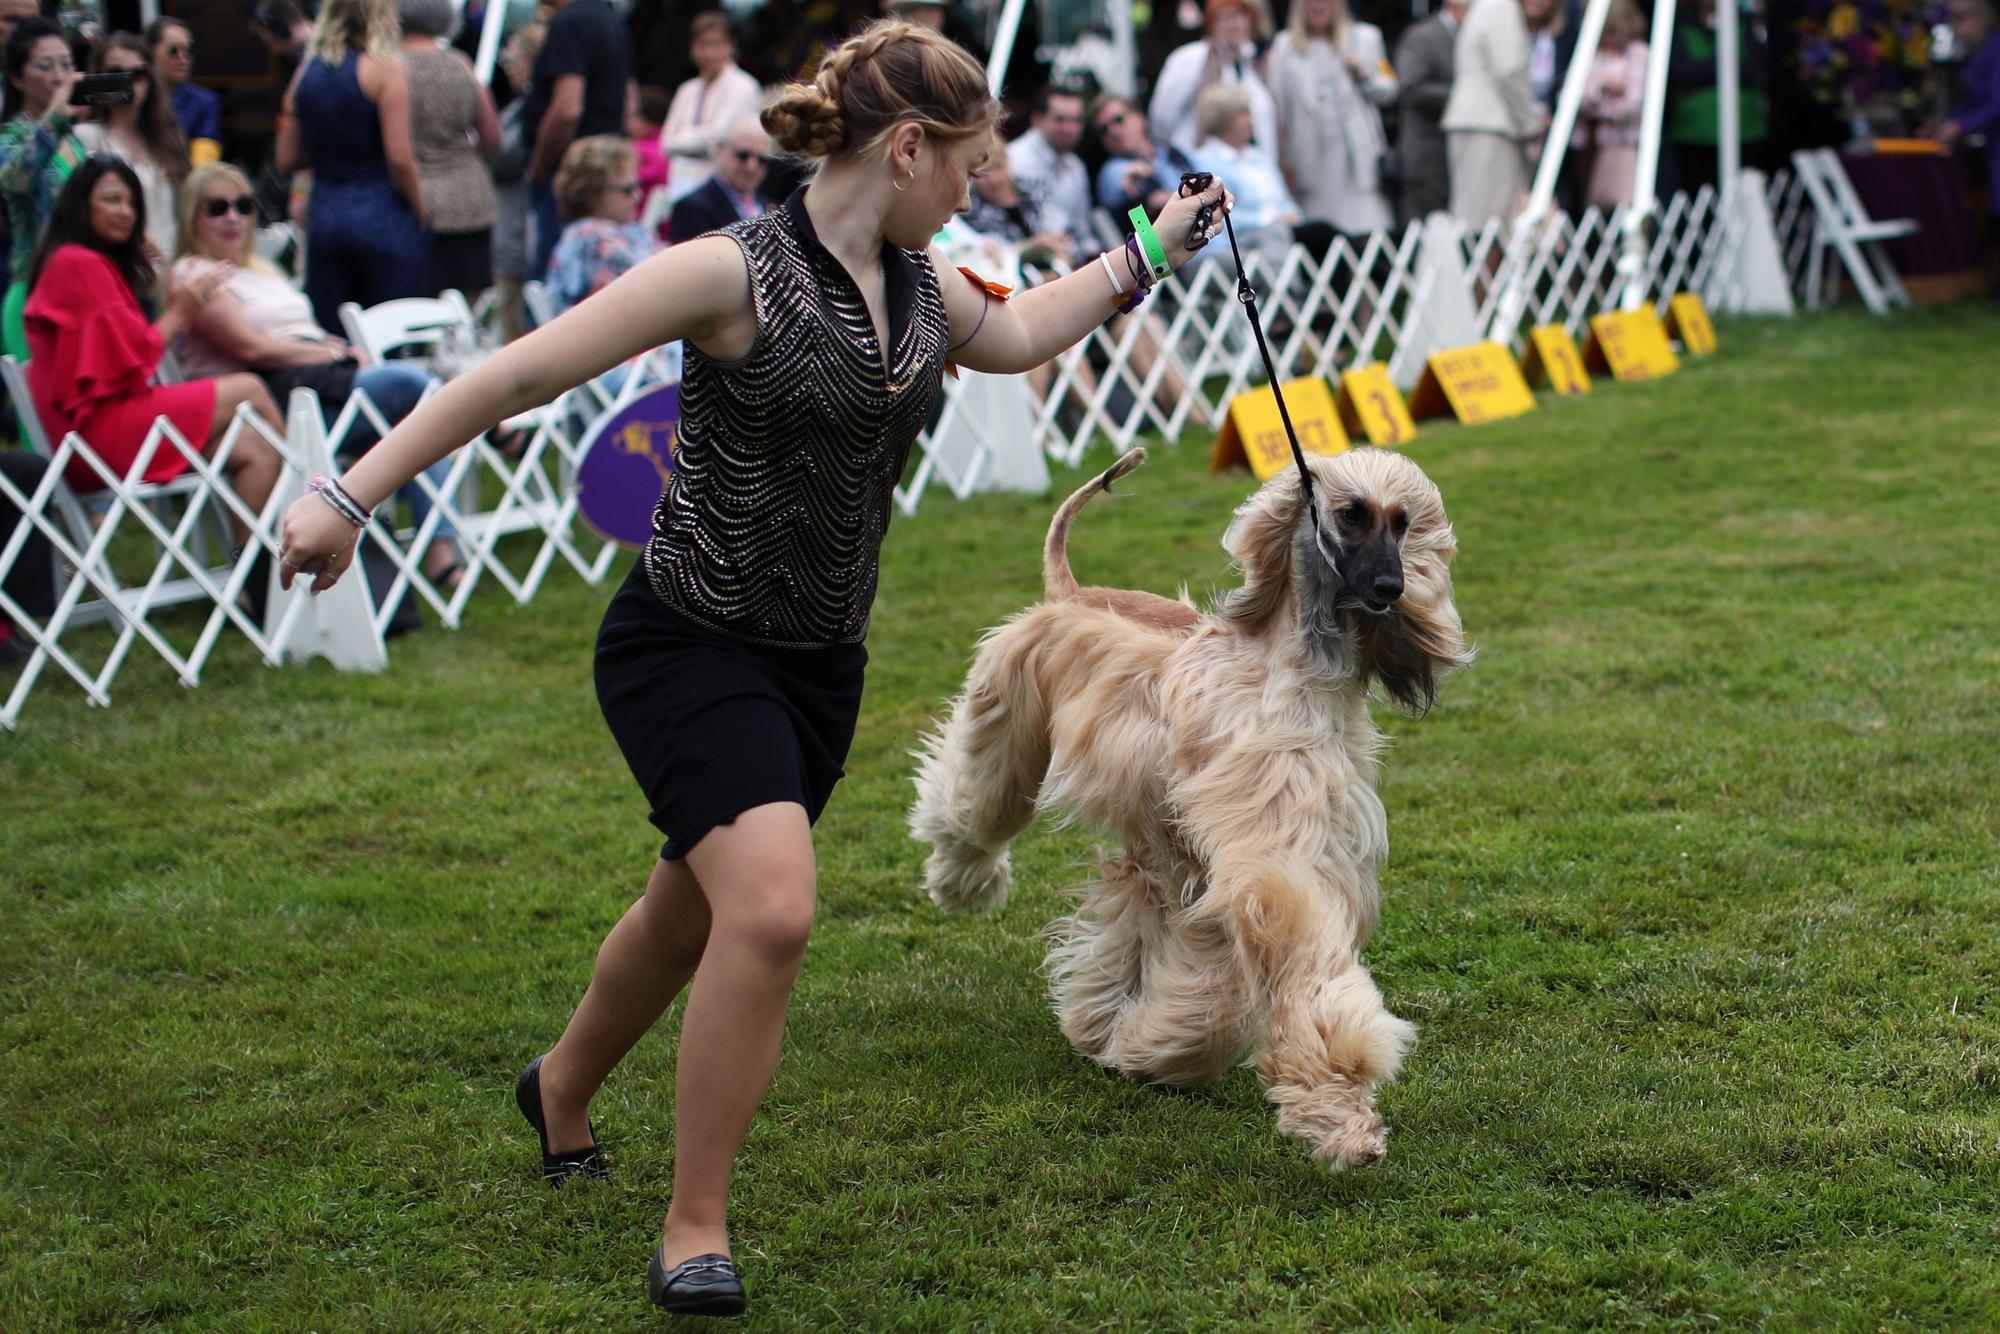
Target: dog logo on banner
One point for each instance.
(628, 455)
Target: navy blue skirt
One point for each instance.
(712, 726)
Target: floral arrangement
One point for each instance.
(1868, 54)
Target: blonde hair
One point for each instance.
(192, 191)
(588, 168)
(368, 27)
(1624, 25)
(888, 73)
(1218, 105)
(1296, 35)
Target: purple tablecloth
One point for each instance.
(1936, 192)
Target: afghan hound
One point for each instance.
(1232, 753)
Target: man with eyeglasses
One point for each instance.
(198, 109)
(1136, 171)
(1055, 186)
(733, 191)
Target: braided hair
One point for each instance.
(886, 74)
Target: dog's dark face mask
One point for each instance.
(1362, 542)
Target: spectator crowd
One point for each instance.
(136, 286)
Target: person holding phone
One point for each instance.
(143, 133)
(38, 151)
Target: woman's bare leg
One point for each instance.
(758, 876)
(253, 464)
(641, 966)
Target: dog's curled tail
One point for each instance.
(1057, 581)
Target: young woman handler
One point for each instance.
(730, 664)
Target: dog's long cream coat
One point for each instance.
(1231, 752)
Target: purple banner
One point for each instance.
(627, 457)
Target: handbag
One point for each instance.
(333, 381)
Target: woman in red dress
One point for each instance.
(94, 353)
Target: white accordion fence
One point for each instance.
(1188, 351)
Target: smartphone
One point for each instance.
(110, 89)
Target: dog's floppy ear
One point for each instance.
(1261, 538)
(1407, 652)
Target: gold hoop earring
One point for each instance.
(899, 185)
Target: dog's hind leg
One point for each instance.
(1094, 964)
(978, 776)
(1191, 1019)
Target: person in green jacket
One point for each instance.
(1693, 118)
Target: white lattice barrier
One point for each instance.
(1189, 350)
(100, 579)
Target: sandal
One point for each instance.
(449, 578)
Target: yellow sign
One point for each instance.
(1552, 356)
(1632, 344)
(1255, 433)
(1480, 383)
(1687, 319)
(1371, 405)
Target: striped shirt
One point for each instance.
(771, 527)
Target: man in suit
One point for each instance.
(734, 191)
(1423, 68)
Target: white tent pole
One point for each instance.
(1728, 63)
(489, 40)
(1003, 44)
(1569, 105)
(1652, 114)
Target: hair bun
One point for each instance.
(804, 122)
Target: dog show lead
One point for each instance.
(729, 666)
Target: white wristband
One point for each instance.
(1104, 258)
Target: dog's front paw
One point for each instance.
(1341, 1129)
(967, 880)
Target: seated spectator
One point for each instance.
(1330, 75)
(597, 191)
(1227, 53)
(95, 354)
(1609, 130)
(720, 94)
(197, 111)
(998, 211)
(1053, 180)
(257, 321)
(1978, 108)
(38, 150)
(734, 192)
(642, 127)
(143, 133)
(1265, 216)
(1137, 170)
(453, 130)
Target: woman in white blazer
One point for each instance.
(1492, 114)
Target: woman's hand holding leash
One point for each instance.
(1194, 219)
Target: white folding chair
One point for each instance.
(1846, 228)
(541, 303)
(417, 328)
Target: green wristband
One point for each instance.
(1149, 241)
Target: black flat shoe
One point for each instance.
(701, 1285)
(556, 1167)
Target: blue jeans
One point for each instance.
(547, 229)
(395, 391)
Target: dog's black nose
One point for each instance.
(1388, 587)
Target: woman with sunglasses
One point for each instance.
(38, 150)
(730, 664)
(197, 110)
(142, 133)
(96, 354)
(597, 188)
(257, 321)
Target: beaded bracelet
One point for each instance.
(343, 504)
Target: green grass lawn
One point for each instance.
(1693, 897)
